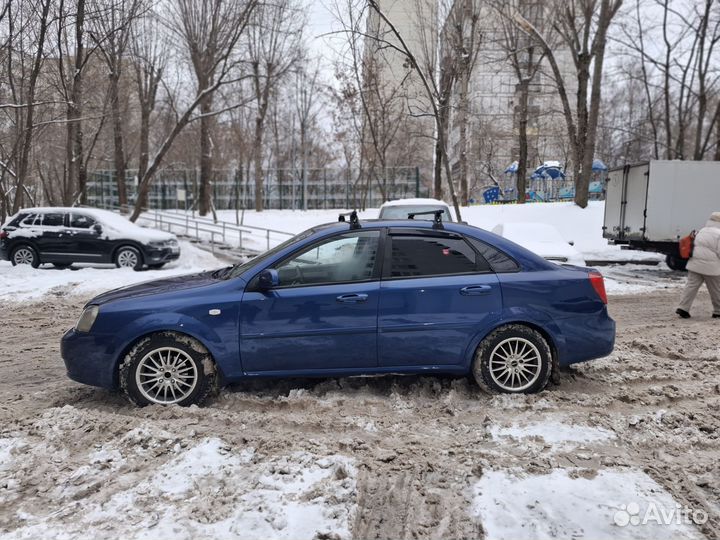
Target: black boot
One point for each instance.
(716, 316)
(684, 314)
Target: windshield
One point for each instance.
(401, 212)
(238, 269)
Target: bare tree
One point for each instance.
(149, 51)
(307, 92)
(223, 70)
(274, 46)
(583, 27)
(22, 84)
(110, 29)
(463, 38)
(425, 70)
(526, 58)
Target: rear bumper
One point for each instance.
(586, 337)
(4, 252)
(88, 358)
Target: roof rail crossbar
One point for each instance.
(354, 221)
(437, 219)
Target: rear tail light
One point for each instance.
(598, 283)
(3, 234)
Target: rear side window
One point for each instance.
(53, 220)
(78, 221)
(499, 262)
(416, 256)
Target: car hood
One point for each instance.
(159, 286)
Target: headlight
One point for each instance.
(87, 319)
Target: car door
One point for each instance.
(54, 241)
(85, 242)
(437, 293)
(323, 314)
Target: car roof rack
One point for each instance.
(354, 221)
(437, 220)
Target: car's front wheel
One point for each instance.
(24, 254)
(128, 257)
(166, 369)
(513, 359)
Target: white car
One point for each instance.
(400, 209)
(543, 239)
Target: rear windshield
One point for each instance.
(401, 212)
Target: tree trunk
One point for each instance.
(437, 172)
(117, 125)
(205, 156)
(76, 186)
(144, 147)
(522, 140)
(463, 105)
(258, 172)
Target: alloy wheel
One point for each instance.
(127, 259)
(515, 364)
(166, 375)
(23, 256)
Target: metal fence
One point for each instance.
(283, 189)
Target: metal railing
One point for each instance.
(249, 239)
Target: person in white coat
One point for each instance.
(704, 267)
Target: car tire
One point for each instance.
(513, 359)
(128, 257)
(676, 263)
(194, 377)
(62, 266)
(25, 254)
(157, 266)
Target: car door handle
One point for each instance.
(352, 298)
(476, 290)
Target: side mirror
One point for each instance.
(97, 228)
(268, 279)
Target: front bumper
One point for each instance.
(161, 255)
(89, 358)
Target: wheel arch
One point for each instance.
(119, 244)
(188, 333)
(553, 338)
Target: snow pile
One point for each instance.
(22, 282)
(565, 504)
(148, 483)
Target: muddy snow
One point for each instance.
(624, 447)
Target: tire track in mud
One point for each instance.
(419, 443)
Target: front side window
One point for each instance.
(53, 220)
(79, 221)
(416, 256)
(30, 220)
(340, 259)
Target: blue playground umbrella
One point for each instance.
(548, 170)
(598, 166)
(512, 168)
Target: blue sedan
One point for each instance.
(348, 298)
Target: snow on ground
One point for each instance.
(565, 504)
(199, 489)
(553, 432)
(23, 282)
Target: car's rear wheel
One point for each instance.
(167, 369)
(128, 257)
(514, 359)
(25, 254)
